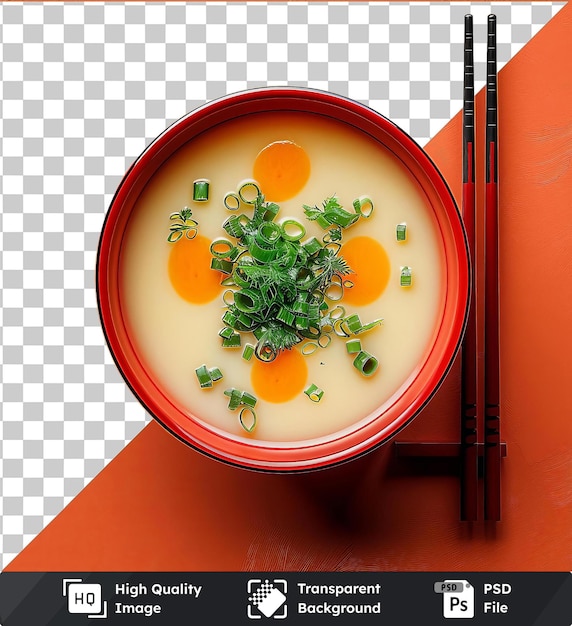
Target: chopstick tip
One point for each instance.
(468, 25)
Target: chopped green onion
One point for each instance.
(340, 327)
(353, 346)
(248, 352)
(204, 377)
(235, 396)
(405, 277)
(301, 306)
(262, 254)
(222, 248)
(269, 233)
(201, 190)
(265, 352)
(239, 276)
(174, 236)
(323, 221)
(233, 341)
(207, 377)
(268, 211)
(333, 247)
(314, 393)
(239, 398)
(228, 281)
(334, 292)
(249, 399)
(215, 374)
(370, 325)
(248, 191)
(401, 232)
(230, 318)
(363, 206)
(246, 321)
(312, 245)
(233, 225)
(228, 297)
(282, 285)
(222, 265)
(338, 312)
(311, 332)
(366, 363)
(286, 316)
(292, 230)
(259, 332)
(247, 418)
(226, 332)
(248, 300)
(309, 348)
(354, 323)
(302, 322)
(231, 201)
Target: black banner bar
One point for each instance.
(246, 599)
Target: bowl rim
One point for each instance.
(305, 455)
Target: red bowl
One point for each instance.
(432, 368)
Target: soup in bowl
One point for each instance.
(283, 279)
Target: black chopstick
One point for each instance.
(492, 366)
(469, 432)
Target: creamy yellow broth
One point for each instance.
(174, 337)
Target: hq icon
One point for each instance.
(84, 598)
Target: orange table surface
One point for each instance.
(160, 506)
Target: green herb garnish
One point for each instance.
(281, 281)
(332, 213)
(182, 224)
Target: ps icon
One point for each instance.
(458, 598)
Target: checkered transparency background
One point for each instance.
(84, 88)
